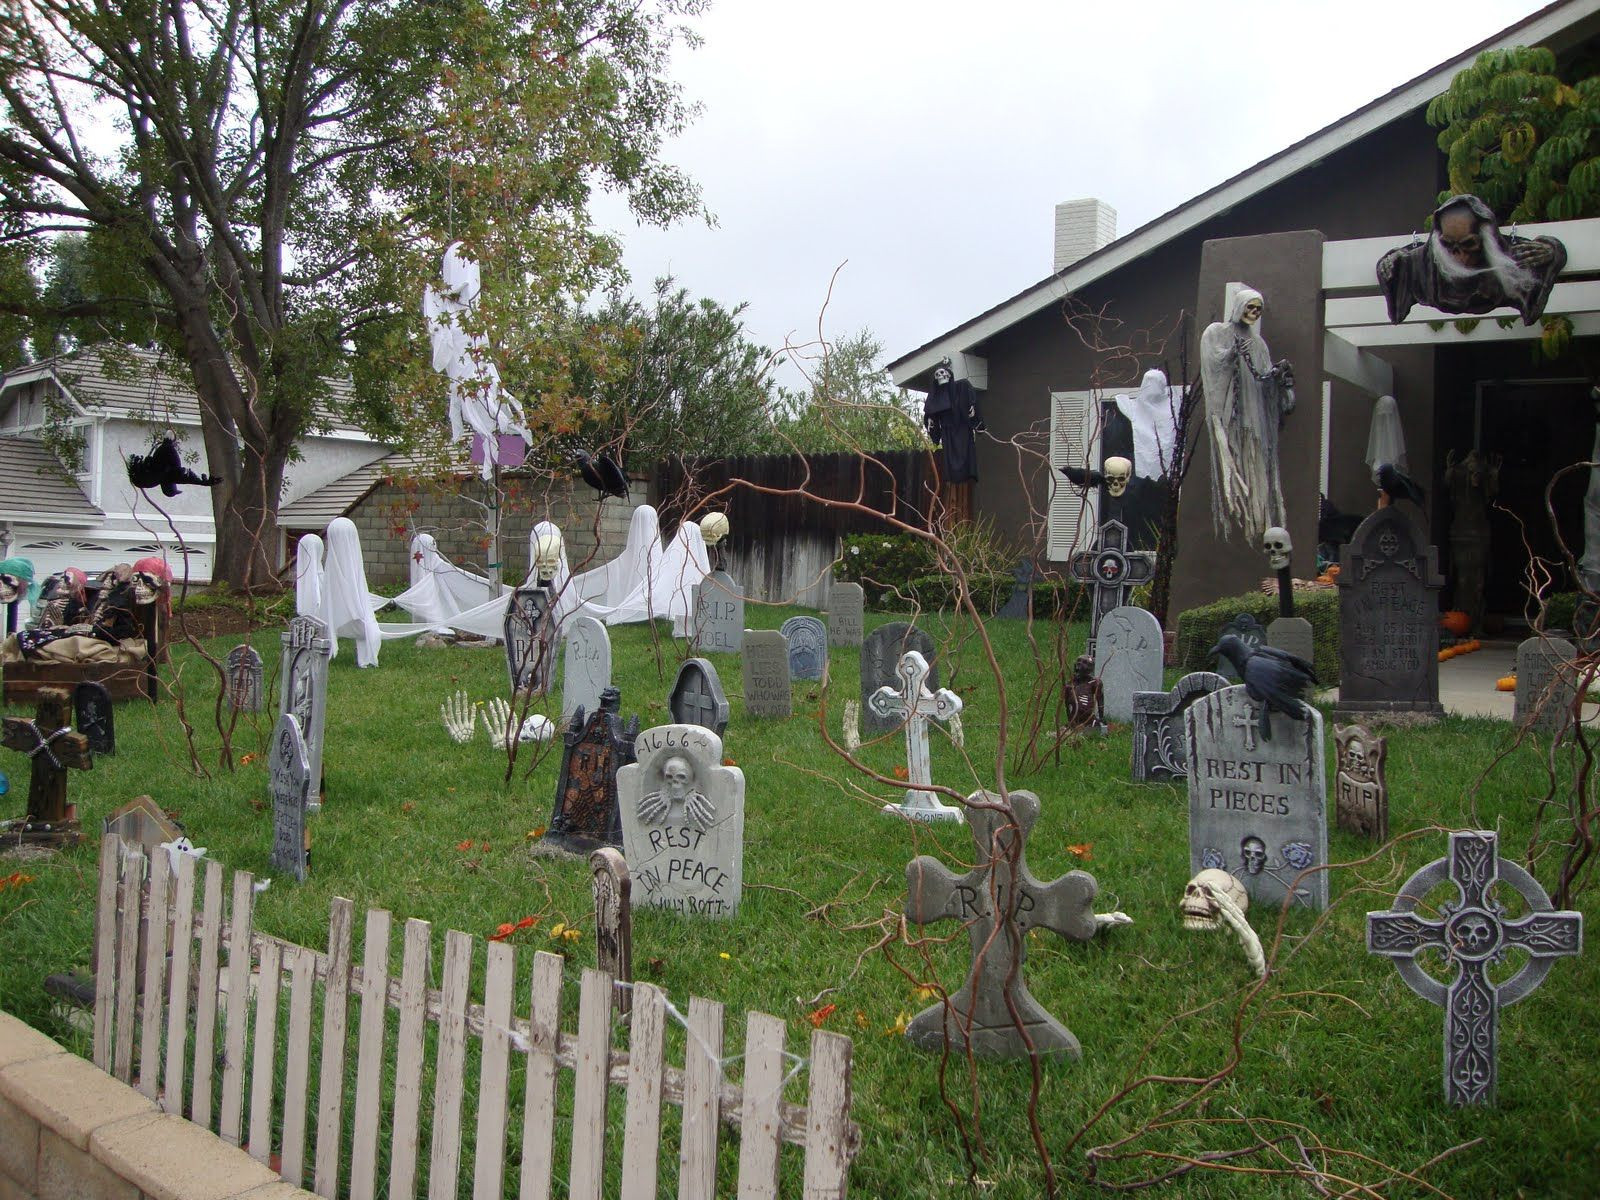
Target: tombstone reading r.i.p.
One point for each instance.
(765, 660)
(808, 647)
(289, 776)
(1389, 585)
(880, 664)
(915, 704)
(1360, 789)
(1547, 684)
(1127, 659)
(1160, 746)
(306, 651)
(596, 745)
(244, 679)
(96, 720)
(588, 665)
(1249, 631)
(530, 640)
(847, 606)
(716, 621)
(697, 697)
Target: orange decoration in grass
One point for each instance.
(818, 1015)
(901, 773)
(1081, 850)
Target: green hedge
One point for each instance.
(1199, 628)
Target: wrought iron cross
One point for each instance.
(1111, 572)
(915, 704)
(1472, 933)
(49, 742)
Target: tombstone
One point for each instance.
(880, 661)
(1257, 806)
(588, 666)
(1110, 571)
(697, 697)
(52, 750)
(767, 689)
(1016, 605)
(998, 935)
(140, 822)
(847, 608)
(244, 679)
(808, 647)
(1547, 685)
(613, 920)
(1160, 744)
(306, 651)
(683, 822)
(913, 704)
(1293, 635)
(1127, 659)
(1389, 585)
(530, 640)
(289, 776)
(1249, 631)
(1471, 938)
(596, 745)
(717, 621)
(94, 716)
(1360, 790)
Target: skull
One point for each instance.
(1199, 908)
(676, 777)
(1118, 471)
(146, 587)
(10, 588)
(714, 527)
(1474, 933)
(1460, 239)
(941, 373)
(1276, 545)
(1254, 853)
(547, 552)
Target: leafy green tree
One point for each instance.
(851, 405)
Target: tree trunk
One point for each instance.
(247, 526)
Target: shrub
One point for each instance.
(1199, 628)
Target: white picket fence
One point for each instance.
(161, 991)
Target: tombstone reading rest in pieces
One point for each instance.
(530, 640)
(1127, 659)
(306, 651)
(683, 822)
(96, 719)
(613, 920)
(717, 619)
(914, 704)
(588, 665)
(697, 697)
(880, 664)
(1547, 684)
(765, 659)
(1000, 902)
(847, 607)
(1258, 806)
(1160, 746)
(289, 777)
(1249, 631)
(808, 647)
(244, 679)
(1389, 585)
(1111, 571)
(1360, 790)
(52, 749)
(596, 745)
(1472, 936)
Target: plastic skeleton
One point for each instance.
(677, 787)
(498, 721)
(1213, 899)
(460, 718)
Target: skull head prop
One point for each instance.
(11, 587)
(1253, 851)
(1118, 472)
(942, 373)
(1275, 544)
(1199, 904)
(676, 777)
(714, 527)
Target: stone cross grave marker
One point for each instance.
(588, 665)
(596, 745)
(880, 664)
(613, 920)
(1127, 659)
(1360, 790)
(767, 688)
(717, 622)
(1472, 934)
(914, 704)
(1295, 636)
(1547, 685)
(96, 719)
(140, 822)
(1111, 571)
(52, 749)
(847, 608)
(244, 679)
(1257, 807)
(530, 640)
(306, 651)
(1249, 631)
(1000, 902)
(1389, 585)
(289, 775)
(1160, 746)
(683, 822)
(808, 647)
(697, 697)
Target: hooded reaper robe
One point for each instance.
(950, 415)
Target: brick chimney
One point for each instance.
(1082, 227)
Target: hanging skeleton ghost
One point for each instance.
(950, 415)
(163, 468)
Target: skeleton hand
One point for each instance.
(654, 807)
(460, 718)
(497, 720)
(697, 810)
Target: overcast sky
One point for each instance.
(921, 148)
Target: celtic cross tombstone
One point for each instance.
(915, 705)
(1000, 902)
(1472, 933)
(1111, 571)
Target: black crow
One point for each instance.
(163, 468)
(602, 474)
(1273, 678)
(1397, 485)
(1083, 477)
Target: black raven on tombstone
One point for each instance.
(1273, 678)
(1397, 485)
(164, 469)
(602, 474)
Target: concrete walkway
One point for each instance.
(1466, 682)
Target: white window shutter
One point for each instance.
(1074, 441)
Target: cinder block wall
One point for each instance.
(68, 1131)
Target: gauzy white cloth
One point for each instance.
(439, 589)
(1386, 440)
(349, 604)
(1153, 413)
(310, 582)
(663, 582)
(607, 586)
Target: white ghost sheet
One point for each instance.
(439, 589)
(349, 604)
(1153, 413)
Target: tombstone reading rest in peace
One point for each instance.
(1127, 659)
(306, 651)
(1111, 571)
(880, 664)
(289, 777)
(1294, 635)
(1547, 684)
(613, 920)
(52, 748)
(588, 665)
(1000, 902)
(596, 745)
(1389, 585)
(530, 640)
(767, 688)
(244, 679)
(1258, 807)
(717, 621)
(1160, 746)
(1360, 791)
(808, 647)
(683, 822)
(96, 720)
(1472, 935)
(914, 704)
(697, 697)
(847, 607)
(1249, 631)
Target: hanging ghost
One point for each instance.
(164, 469)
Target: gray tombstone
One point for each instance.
(1360, 786)
(1293, 635)
(767, 689)
(1017, 605)
(881, 652)
(530, 640)
(1547, 685)
(717, 617)
(1389, 585)
(1258, 806)
(683, 822)
(914, 704)
(1249, 631)
(1160, 745)
(1110, 571)
(596, 746)
(94, 716)
(244, 679)
(847, 609)
(289, 775)
(588, 665)
(1127, 659)
(808, 647)
(613, 920)
(140, 822)
(697, 697)
(307, 648)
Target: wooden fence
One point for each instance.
(159, 1005)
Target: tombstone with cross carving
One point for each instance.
(697, 697)
(1000, 902)
(915, 704)
(52, 749)
(1473, 934)
(1111, 571)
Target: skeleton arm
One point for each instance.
(1235, 920)
(460, 718)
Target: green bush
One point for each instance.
(1199, 628)
(900, 573)
(883, 564)
(1560, 610)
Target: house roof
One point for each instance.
(34, 490)
(1554, 23)
(315, 509)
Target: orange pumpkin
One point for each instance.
(1447, 653)
(1456, 622)
(1507, 683)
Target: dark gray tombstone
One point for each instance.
(1258, 806)
(1016, 605)
(530, 640)
(613, 920)
(808, 647)
(1160, 745)
(717, 617)
(1127, 659)
(881, 652)
(1389, 585)
(588, 665)
(767, 686)
(306, 651)
(91, 708)
(1360, 788)
(596, 745)
(847, 610)
(1293, 635)
(289, 776)
(1111, 571)
(1249, 631)
(244, 679)
(1547, 685)
(697, 697)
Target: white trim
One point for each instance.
(1488, 330)
(1343, 312)
(1344, 360)
(28, 517)
(1351, 265)
(1327, 431)
(128, 516)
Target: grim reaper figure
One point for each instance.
(951, 416)
(1247, 397)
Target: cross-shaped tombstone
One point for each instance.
(1000, 902)
(1472, 934)
(49, 742)
(1111, 571)
(915, 704)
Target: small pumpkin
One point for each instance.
(1456, 622)
(1506, 683)
(1448, 653)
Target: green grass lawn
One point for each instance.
(1335, 1050)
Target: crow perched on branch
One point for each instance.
(1273, 678)
(602, 474)
(164, 469)
(1397, 485)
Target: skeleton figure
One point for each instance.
(1118, 472)
(1275, 544)
(1085, 697)
(1213, 899)
(677, 789)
